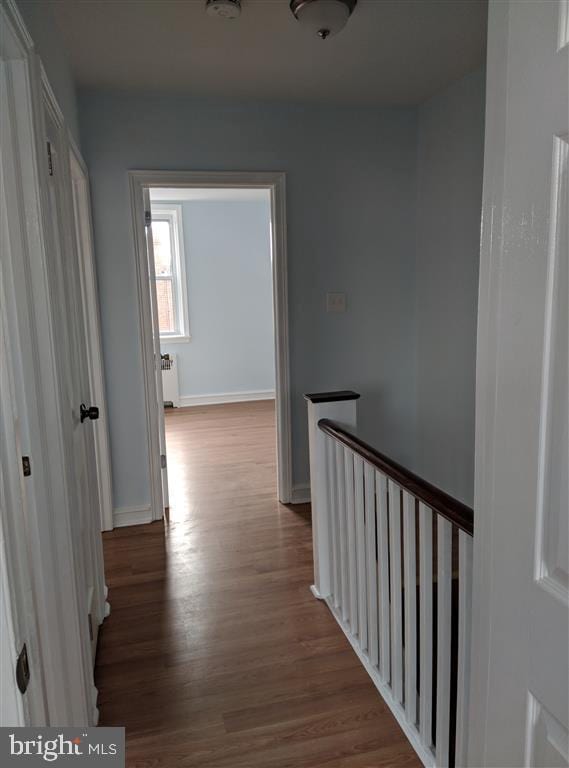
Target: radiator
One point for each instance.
(170, 389)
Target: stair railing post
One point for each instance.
(340, 407)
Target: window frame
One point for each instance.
(172, 214)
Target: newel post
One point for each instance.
(342, 408)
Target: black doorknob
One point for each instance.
(88, 413)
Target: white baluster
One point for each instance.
(426, 622)
(410, 607)
(395, 572)
(333, 514)
(464, 634)
(351, 524)
(371, 565)
(360, 549)
(444, 608)
(384, 615)
(342, 529)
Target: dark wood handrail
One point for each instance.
(450, 508)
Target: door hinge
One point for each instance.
(23, 670)
(26, 466)
(49, 159)
(147, 218)
(163, 460)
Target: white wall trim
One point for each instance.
(275, 183)
(300, 494)
(124, 516)
(187, 401)
(487, 355)
(22, 41)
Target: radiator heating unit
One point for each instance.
(170, 389)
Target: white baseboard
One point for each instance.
(226, 397)
(300, 494)
(124, 516)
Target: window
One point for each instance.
(170, 274)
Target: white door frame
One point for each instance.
(84, 237)
(275, 183)
(157, 352)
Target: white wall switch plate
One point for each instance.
(335, 302)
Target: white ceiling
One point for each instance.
(391, 51)
(214, 195)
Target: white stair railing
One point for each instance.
(393, 561)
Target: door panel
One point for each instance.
(91, 315)
(156, 347)
(547, 738)
(71, 345)
(520, 685)
(552, 552)
(94, 432)
(18, 617)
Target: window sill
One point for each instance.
(175, 339)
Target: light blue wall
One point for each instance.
(228, 271)
(351, 207)
(450, 166)
(383, 204)
(42, 27)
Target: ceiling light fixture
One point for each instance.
(323, 18)
(223, 9)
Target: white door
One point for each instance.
(79, 412)
(156, 347)
(520, 675)
(22, 702)
(90, 307)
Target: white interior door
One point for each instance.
(156, 347)
(17, 626)
(79, 412)
(91, 317)
(520, 675)
(19, 635)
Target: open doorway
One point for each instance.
(211, 258)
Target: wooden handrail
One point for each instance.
(450, 508)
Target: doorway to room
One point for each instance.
(212, 294)
(212, 271)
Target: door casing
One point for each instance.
(274, 182)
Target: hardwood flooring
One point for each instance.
(215, 653)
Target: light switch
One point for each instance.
(335, 302)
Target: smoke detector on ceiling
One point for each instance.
(223, 9)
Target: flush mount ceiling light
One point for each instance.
(223, 9)
(323, 18)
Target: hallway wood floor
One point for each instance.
(215, 653)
